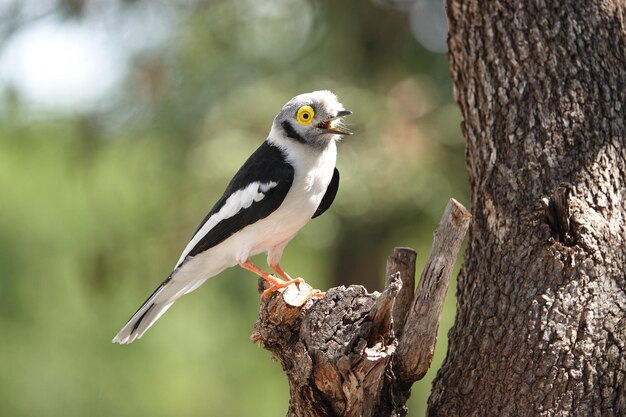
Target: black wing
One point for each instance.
(267, 164)
(329, 197)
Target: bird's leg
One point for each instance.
(253, 268)
(275, 282)
(276, 268)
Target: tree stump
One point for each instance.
(353, 353)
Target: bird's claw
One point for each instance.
(318, 293)
(278, 285)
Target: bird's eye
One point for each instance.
(305, 115)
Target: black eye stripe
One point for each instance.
(291, 132)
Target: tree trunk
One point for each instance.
(541, 324)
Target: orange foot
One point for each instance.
(318, 293)
(275, 283)
(278, 285)
(276, 268)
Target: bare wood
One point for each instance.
(417, 344)
(402, 265)
(339, 351)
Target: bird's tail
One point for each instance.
(154, 307)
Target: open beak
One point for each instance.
(328, 127)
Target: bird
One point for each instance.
(290, 179)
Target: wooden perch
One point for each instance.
(352, 353)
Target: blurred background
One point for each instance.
(121, 121)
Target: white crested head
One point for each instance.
(311, 119)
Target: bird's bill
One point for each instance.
(328, 127)
(336, 130)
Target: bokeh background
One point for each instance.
(121, 121)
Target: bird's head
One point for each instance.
(312, 119)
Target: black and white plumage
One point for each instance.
(290, 179)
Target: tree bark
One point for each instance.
(355, 354)
(541, 324)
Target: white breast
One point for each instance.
(313, 171)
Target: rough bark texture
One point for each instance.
(541, 322)
(351, 353)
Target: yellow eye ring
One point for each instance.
(305, 115)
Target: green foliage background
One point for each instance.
(96, 204)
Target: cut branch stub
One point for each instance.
(402, 265)
(340, 351)
(419, 336)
